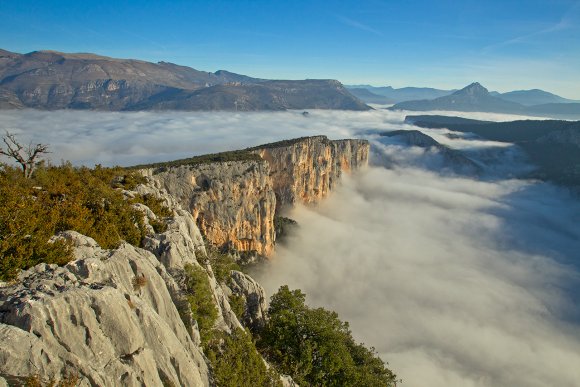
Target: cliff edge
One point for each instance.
(234, 202)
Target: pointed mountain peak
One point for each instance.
(474, 89)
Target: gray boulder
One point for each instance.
(255, 299)
(108, 316)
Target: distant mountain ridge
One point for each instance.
(534, 97)
(523, 97)
(471, 98)
(402, 94)
(55, 80)
(369, 97)
(476, 98)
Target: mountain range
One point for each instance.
(388, 95)
(56, 80)
(476, 98)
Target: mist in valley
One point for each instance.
(454, 280)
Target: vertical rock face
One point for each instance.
(233, 203)
(305, 170)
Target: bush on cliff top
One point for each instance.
(236, 155)
(59, 198)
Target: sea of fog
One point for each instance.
(455, 281)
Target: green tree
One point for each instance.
(55, 199)
(200, 298)
(236, 362)
(315, 347)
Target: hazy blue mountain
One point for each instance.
(471, 98)
(533, 97)
(404, 93)
(369, 97)
(55, 80)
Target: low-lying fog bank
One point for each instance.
(89, 138)
(456, 281)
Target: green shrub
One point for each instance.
(62, 198)
(155, 204)
(316, 348)
(158, 207)
(238, 304)
(222, 264)
(201, 302)
(236, 362)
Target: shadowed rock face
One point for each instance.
(55, 80)
(453, 160)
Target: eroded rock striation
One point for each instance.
(108, 315)
(234, 202)
(305, 170)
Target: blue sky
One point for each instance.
(505, 45)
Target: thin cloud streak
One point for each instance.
(566, 22)
(358, 25)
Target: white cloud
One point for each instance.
(132, 138)
(455, 282)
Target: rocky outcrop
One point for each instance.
(116, 317)
(112, 316)
(254, 297)
(233, 203)
(305, 170)
(108, 315)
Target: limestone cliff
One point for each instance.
(305, 170)
(234, 202)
